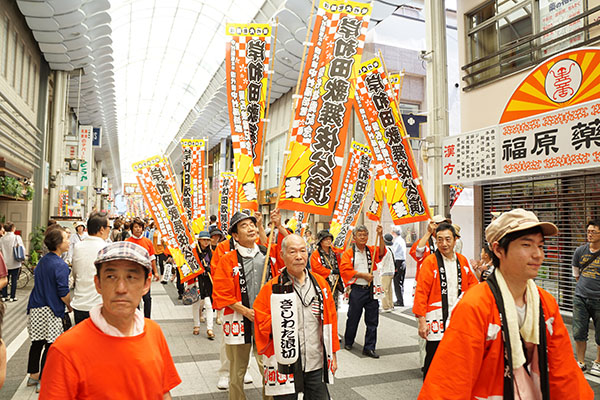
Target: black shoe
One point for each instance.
(397, 304)
(348, 346)
(370, 353)
(179, 297)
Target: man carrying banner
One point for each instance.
(237, 281)
(426, 245)
(444, 276)
(317, 323)
(325, 262)
(356, 269)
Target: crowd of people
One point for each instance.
(486, 329)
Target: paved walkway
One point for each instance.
(396, 375)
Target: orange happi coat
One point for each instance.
(469, 362)
(262, 320)
(428, 295)
(347, 270)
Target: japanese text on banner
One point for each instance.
(194, 189)
(357, 180)
(158, 186)
(228, 203)
(247, 62)
(318, 135)
(394, 163)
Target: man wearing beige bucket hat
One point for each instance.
(506, 337)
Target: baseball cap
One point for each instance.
(514, 221)
(124, 251)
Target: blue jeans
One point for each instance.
(13, 277)
(583, 310)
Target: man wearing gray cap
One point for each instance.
(116, 352)
(506, 338)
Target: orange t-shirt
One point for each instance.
(85, 363)
(144, 242)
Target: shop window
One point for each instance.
(494, 31)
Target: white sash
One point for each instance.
(233, 328)
(378, 291)
(276, 384)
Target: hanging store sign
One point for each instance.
(194, 190)
(247, 55)
(396, 174)
(157, 183)
(555, 12)
(318, 136)
(96, 137)
(85, 155)
(550, 124)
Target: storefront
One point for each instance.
(543, 155)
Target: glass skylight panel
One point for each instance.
(165, 53)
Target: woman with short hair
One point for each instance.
(46, 307)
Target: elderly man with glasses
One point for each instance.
(586, 302)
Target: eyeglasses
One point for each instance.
(593, 232)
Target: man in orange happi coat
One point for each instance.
(444, 276)
(317, 327)
(506, 338)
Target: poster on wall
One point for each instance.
(555, 12)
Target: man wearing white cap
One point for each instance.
(116, 352)
(506, 338)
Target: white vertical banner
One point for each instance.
(85, 155)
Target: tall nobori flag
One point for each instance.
(318, 136)
(247, 62)
(193, 194)
(357, 181)
(158, 186)
(396, 174)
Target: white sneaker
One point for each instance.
(582, 366)
(223, 383)
(595, 370)
(248, 378)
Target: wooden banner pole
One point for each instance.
(287, 140)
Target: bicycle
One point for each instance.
(25, 275)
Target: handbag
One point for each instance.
(18, 252)
(190, 296)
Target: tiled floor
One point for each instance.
(396, 375)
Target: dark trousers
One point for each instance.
(147, 304)
(160, 260)
(430, 349)
(179, 284)
(399, 275)
(80, 315)
(13, 277)
(33, 365)
(360, 297)
(314, 387)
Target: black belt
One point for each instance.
(356, 285)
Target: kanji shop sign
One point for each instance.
(550, 124)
